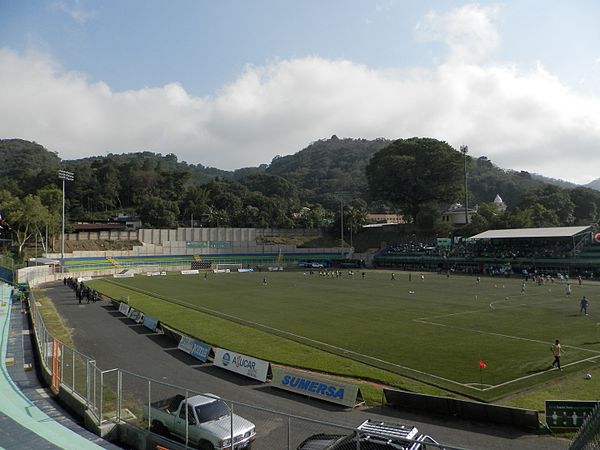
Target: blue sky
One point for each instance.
(234, 83)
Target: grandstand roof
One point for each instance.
(516, 233)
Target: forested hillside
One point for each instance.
(306, 189)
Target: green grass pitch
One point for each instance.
(435, 330)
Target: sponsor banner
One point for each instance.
(245, 270)
(81, 279)
(163, 274)
(568, 414)
(190, 272)
(275, 269)
(124, 308)
(242, 364)
(135, 315)
(152, 274)
(195, 348)
(316, 387)
(209, 244)
(123, 275)
(150, 322)
(221, 271)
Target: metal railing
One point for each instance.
(588, 436)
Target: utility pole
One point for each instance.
(64, 176)
(342, 224)
(464, 149)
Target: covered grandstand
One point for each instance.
(569, 250)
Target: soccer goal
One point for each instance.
(231, 267)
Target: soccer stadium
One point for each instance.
(443, 326)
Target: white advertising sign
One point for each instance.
(242, 364)
(124, 308)
(190, 272)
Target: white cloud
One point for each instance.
(520, 119)
(73, 8)
(468, 31)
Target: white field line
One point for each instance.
(508, 336)
(299, 337)
(346, 351)
(539, 373)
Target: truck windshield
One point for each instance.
(212, 411)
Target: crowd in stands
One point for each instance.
(501, 249)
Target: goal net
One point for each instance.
(232, 267)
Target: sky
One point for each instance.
(234, 83)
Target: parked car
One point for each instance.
(374, 435)
(208, 420)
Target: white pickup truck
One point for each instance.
(208, 421)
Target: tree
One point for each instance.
(553, 198)
(587, 205)
(412, 172)
(159, 213)
(26, 217)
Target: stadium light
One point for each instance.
(464, 149)
(64, 176)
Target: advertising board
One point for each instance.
(568, 413)
(150, 322)
(124, 309)
(242, 364)
(314, 386)
(190, 272)
(195, 348)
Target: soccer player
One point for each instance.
(557, 351)
(584, 305)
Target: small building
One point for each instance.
(386, 218)
(132, 223)
(455, 214)
(500, 203)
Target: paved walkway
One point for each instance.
(30, 421)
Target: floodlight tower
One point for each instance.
(64, 176)
(464, 149)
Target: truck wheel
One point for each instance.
(158, 428)
(205, 445)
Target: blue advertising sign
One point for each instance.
(316, 386)
(150, 322)
(195, 348)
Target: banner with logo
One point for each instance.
(150, 322)
(124, 309)
(190, 272)
(242, 364)
(314, 386)
(195, 348)
(568, 413)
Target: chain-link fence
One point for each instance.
(588, 436)
(199, 420)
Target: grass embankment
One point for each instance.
(53, 321)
